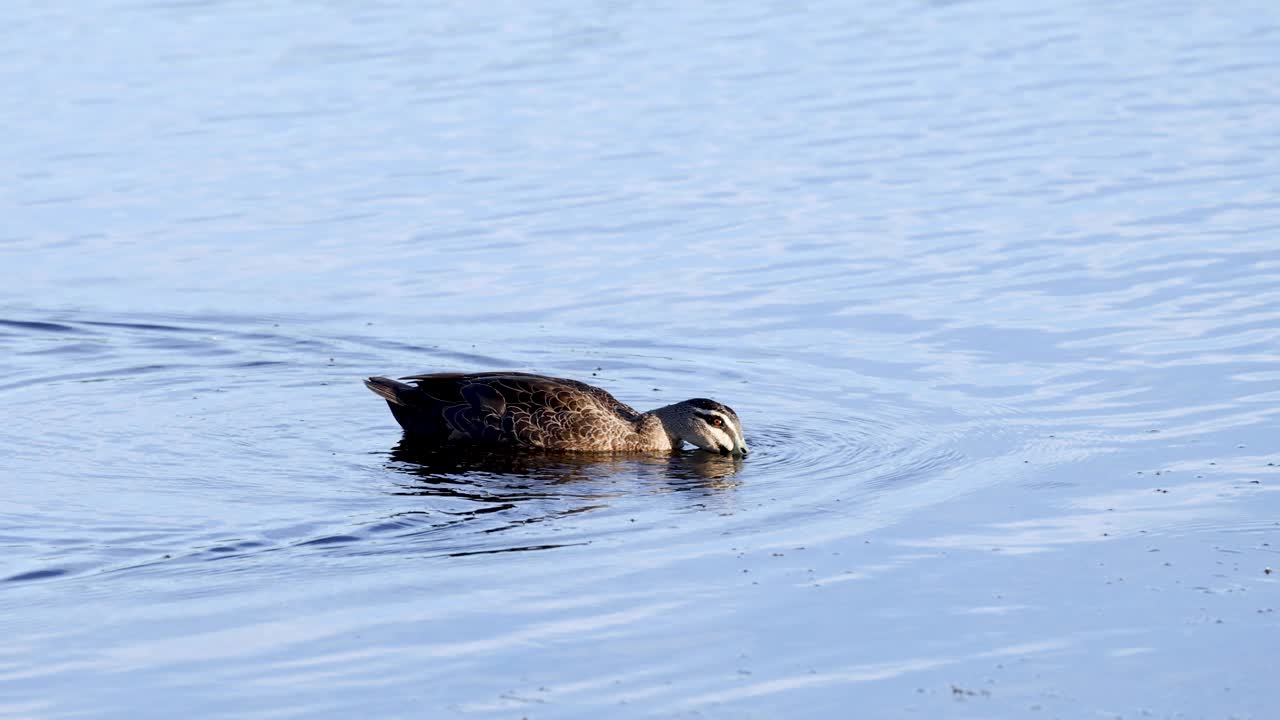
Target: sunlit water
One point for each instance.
(994, 287)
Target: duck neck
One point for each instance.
(668, 417)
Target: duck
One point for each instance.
(523, 410)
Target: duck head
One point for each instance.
(705, 423)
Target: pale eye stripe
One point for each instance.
(722, 435)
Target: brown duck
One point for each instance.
(516, 409)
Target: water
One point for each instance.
(993, 287)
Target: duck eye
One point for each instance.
(717, 422)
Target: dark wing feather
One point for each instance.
(517, 408)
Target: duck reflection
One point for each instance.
(547, 472)
(469, 494)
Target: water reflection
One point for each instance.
(472, 497)
(464, 471)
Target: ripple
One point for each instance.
(38, 326)
(36, 575)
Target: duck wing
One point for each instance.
(513, 408)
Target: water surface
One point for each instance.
(994, 289)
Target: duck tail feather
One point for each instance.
(392, 391)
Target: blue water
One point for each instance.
(993, 286)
